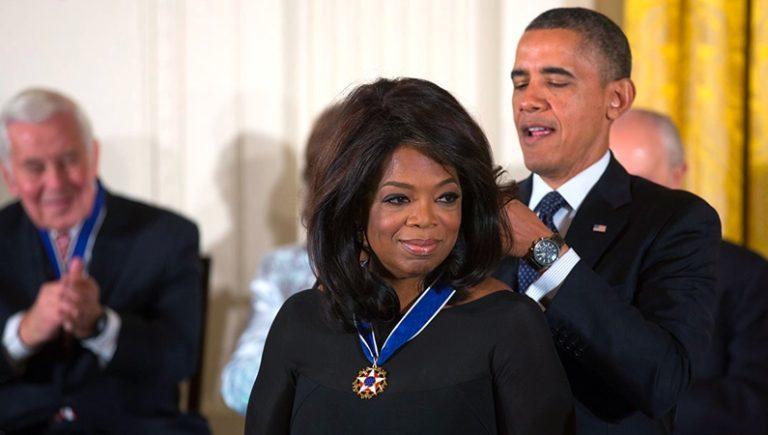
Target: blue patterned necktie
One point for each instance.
(546, 209)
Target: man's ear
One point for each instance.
(95, 154)
(8, 178)
(620, 94)
(678, 176)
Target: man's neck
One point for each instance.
(576, 188)
(556, 179)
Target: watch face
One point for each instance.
(545, 252)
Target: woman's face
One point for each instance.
(415, 216)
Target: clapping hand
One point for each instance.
(81, 292)
(70, 303)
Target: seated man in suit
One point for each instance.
(624, 268)
(99, 295)
(730, 389)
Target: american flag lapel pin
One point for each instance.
(599, 228)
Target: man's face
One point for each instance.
(560, 103)
(51, 171)
(639, 146)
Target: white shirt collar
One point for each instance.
(73, 232)
(574, 190)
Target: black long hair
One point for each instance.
(373, 121)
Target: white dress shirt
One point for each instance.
(573, 191)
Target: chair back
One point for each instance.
(196, 381)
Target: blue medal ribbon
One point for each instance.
(415, 320)
(84, 240)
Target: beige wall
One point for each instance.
(203, 106)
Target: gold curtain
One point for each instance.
(757, 206)
(701, 61)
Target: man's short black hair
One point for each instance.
(597, 30)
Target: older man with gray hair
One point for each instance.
(730, 390)
(99, 295)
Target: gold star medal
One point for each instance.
(369, 382)
(372, 380)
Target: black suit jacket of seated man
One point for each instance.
(730, 390)
(637, 309)
(145, 261)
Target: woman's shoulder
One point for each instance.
(304, 316)
(497, 303)
(300, 310)
(497, 292)
(484, 288)
(304, 302)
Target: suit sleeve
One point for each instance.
(8, 364)
(737, 401)
(162, 341)
(642, 348)
(23, 403)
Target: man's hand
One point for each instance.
(526, 228)
(82, 292)
(42, 322)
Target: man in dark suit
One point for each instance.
(99, 295)
(629, 292)
(730, 389)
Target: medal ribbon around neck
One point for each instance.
(372, 380)
(84, 240)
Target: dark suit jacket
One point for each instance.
(637, 307)
(730, 389)
(145, 261)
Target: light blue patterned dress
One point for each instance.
(281, 273)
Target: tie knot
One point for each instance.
(550, 204)
(62, 242)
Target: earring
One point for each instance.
(364, 255)
(364, 259)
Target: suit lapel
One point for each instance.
(111, 248)
(32, 260)
(113, 244)
(602, 215)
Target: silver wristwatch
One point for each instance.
(544, 251)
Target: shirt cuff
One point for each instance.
(553, 277)
(16, 349)
(104, 345)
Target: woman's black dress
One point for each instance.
(484, 367)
